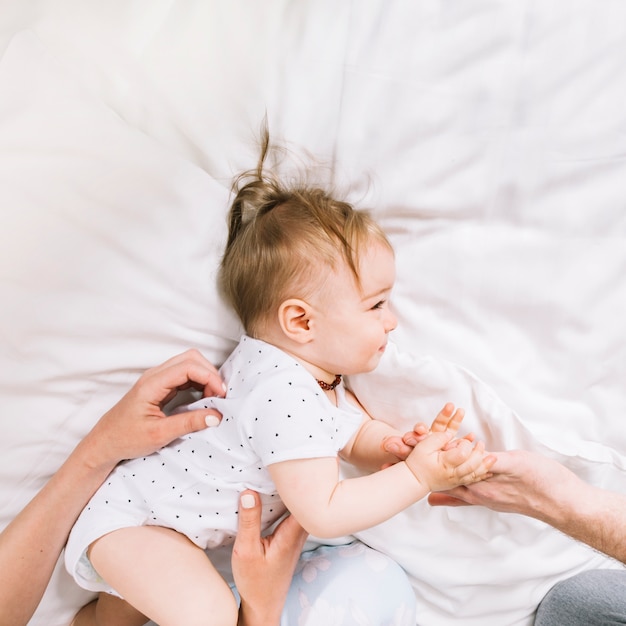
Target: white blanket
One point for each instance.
(488, 138)
(469, 565)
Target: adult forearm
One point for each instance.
(136, 426)
(531, 484)
(30, 546)
(591, 515)
(543, 488)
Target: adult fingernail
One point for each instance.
(247, 501)
(211, 420)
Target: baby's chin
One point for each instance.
(370, 366)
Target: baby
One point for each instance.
(310, 278)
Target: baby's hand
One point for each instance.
(401, 445)
(394, 445)
(413, 437)
(448, 419)
(438, 461)
(465, 463)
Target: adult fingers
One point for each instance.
(288, 532)
(179, 424)
(446, 498)
(248, 538)
(188, 369)
(477, 466)
(158, 386)
(191, 355)
(291, 534)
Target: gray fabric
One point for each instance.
(593, 598)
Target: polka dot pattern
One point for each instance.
(274, 411)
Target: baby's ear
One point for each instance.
(294, 316)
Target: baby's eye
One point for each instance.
(379, 305)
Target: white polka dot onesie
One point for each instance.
(274, 411)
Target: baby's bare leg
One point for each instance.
(108, 609)
(164, 576)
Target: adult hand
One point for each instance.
(263, 566)
(522, 482)
(136, 425)
(30, 545)
(531, 484)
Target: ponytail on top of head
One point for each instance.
(283, 238)
(257, 191)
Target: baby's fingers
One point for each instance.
(395, 445)
(455, 442)
(448, 419)
(458, 451)
(477, 466)
(419, 433)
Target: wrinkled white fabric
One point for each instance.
(486, 136)
(461, 560)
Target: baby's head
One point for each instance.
(290, 244)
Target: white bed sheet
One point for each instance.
(488, 137)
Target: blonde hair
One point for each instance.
(282, 238)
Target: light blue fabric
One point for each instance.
(349, 585)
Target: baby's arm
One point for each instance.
(328, 507)
(366, 448)
(377, 444)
